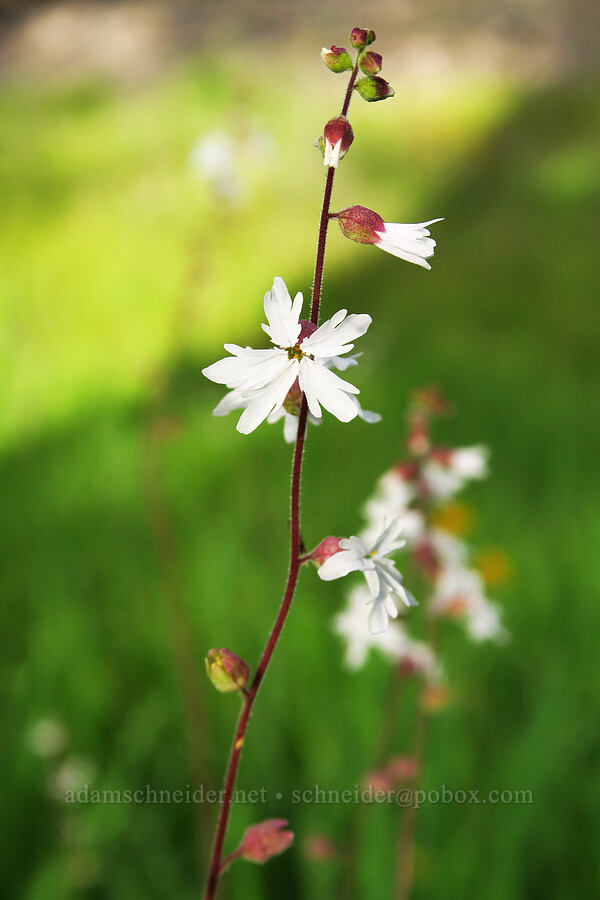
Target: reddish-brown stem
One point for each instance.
(229, 859)
(217, 862)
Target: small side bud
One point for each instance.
(328, 547)
(361, 37)
(267, 839)
(227, 671)
(336, 58)
(372, 88)
(370, 62)
(338, 137)
(361, 224)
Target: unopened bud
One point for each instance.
(370, 62)
(227, 671)
(372, 88)
(361, 224)
(361, 37)
(338, 137)
(328, 547)
(265, 840)
(336, 58)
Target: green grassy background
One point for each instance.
(120, 277)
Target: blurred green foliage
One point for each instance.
(138, 531)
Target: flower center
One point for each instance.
(295, 352)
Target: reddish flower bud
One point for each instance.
(338, 137)
(227, 671)
(370, 62)
(336, 58)
(361, 224)
(361, 37)
(328, 547)
(267, 839)
(372, 88)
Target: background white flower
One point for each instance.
(262, 378)
(352, 625)
(383, 578)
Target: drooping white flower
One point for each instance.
(460, 592)
(447, 471)
(262, 378)
(410, 242)
(289, 412)
(383, 578)
(337, 138)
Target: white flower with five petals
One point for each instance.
(383, 578)
(262, 378)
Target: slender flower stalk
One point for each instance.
(296, 551)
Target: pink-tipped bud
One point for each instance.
(267, 839)
(372, 88)
(328, 547)
(336, 58)
(361, 37)
(370, 62)
(338, 136)
(227, 671)
(361, 224)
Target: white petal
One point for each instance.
(378, 619)
(282, 315)
(339, 565)
(386, 542)
(268, 399)
(328, 389)
(333, 336)
(290, 428)
(232, 400)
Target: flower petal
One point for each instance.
(378, 619)
(333, 337)
(323, 386)
(282, 314)
(268, 399)
(339, 565)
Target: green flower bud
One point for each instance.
(336, 58)
(372, 88)
(227, 671)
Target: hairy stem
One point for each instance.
(217, 863)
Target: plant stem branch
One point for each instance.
(296, 549)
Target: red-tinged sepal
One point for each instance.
(372, 88)
(336, 58)
(324, 550)
(361, 37)
(227, 671)
(338, 137)
(267, 839)
(370, 62)
(361, 224)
